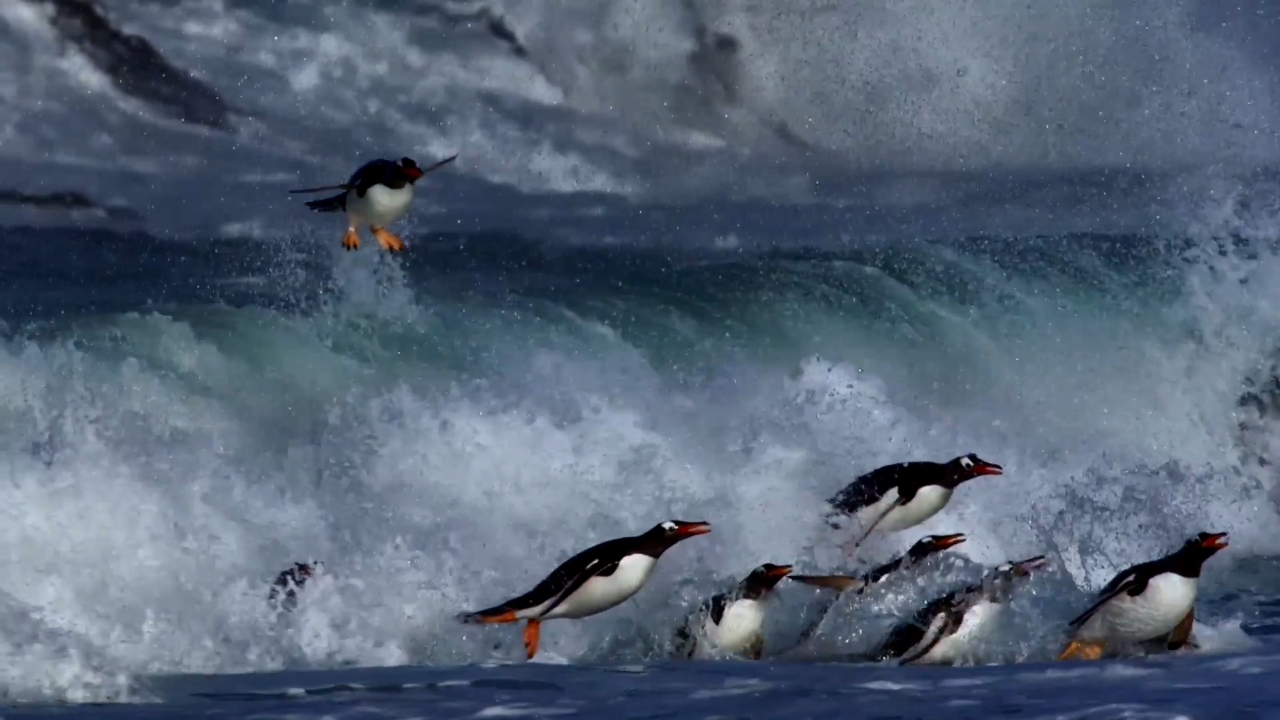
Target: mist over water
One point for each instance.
(1045, 236)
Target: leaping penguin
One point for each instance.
(1145, 602)
(944, 631)
(896, 497)
(594, 580)
(925, 547)
(734, 622)
(378, 193)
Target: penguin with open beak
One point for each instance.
(734, 622)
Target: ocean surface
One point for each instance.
(696, 260)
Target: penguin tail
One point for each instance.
(337, 203)
(499, 614)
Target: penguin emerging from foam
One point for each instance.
(378, 193)
(896, 497)
(924, 548)
(594, 580)
(1145, 602)
(946, 631)
(284, 591)
(734, 622)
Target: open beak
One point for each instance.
(414, 173)
(1216, 541)
(779, 571)
(689, 529)
(986, 468)
(946, 541)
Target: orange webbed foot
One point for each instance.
(388, 240)
(351, 240)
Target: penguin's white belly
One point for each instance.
(740, 628)
(380, 205)
(1166, 600)
(599, 593)
(961, 645)
(926, 503)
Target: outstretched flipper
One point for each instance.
(337, 203)
(850, 547)
(326, 188)
(531, 632)
(839, 583)
(932, 634)
(1131, 582)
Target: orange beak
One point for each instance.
(1216, 541)
(779, 571)
(413, 172)
(986, 468)
(946, 541)
(689, 529)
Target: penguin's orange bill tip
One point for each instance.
(1217, 541)
(947, 541)
(779, 571)
(532, 629)
(987, 469)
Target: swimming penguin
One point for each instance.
(378, 193)
(925, 547)
(289, 582)
(896, 497)
(944, 631)
(1148, 601)
(734, 622)
(590, 582)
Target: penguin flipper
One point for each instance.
(321, 189)
(873, 524)
(931, 636)
(839, 583)
(336, 203)
(1129, 582)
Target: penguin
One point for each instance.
(1145, 602)
(284, 591)
(944, 631)
(378, 193)
(590, 582)
(734, 622)
(925, 547)
(896, 497)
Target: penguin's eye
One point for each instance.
(669, 526)
(966, 463)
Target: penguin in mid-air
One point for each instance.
(945, 631)
(590, 582)
(734, 622)
(896, 497)
(1146, 602)
(284, 591)
(378, 194)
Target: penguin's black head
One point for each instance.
(968, 467)
(763, 579)
(930, 544)
(665, 534)
(410, 169)
(1196, 550)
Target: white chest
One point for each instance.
(961, 646)
(740, 628)
(600, 593)
(926, 503)
(1165, 602)
(380, 205)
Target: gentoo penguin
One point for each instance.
(924, 548)
(943, 632)
(896, 497)
(378, 193)
(590, 582)
(289, 582)
(734, 622)
(1145, 602)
